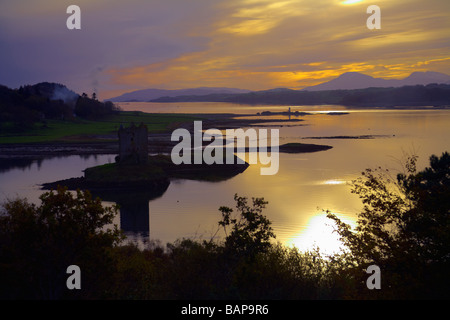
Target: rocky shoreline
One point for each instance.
(108, 144)
(153, 178)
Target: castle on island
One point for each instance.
(133, 144)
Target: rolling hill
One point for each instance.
(151, 94)
(356, 80)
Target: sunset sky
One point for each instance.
(249, 44)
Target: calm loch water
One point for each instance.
(305, 185)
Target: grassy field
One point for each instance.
(83, 130)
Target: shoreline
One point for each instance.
(108, 144)
(159, 142)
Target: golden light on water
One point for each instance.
(334, 182)
(319, 232)
(350, 1)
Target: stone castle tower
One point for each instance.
(133, 144)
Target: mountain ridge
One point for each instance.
(434, 95)
(346, 81)
(356, 80)
(145, 95)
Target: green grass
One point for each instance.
(85, 131)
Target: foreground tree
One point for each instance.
(404, 228)
(38, 243)
(251, 231)
(247, 264)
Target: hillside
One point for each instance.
(22, 108)
(429, 95)
(341, 90)
(151, 94)
(356, 80)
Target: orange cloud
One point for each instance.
(262, 44)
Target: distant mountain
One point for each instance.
(437, 95)
(152, 94)
(278, 90)
(356, 80)
(426, 78)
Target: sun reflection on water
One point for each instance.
(346, 2)
(334, 182)
(319, 233)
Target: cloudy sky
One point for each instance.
(250, 44)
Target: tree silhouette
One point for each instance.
(38, 243)
(404, 227)
(250, 229)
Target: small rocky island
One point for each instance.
(135, 170)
